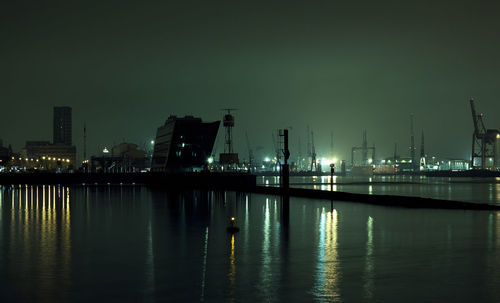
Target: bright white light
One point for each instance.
(210, 160)
(266, 159)
(105, 150)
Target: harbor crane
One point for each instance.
(277, 152)
(484, 143)
(250, 153)
(364, 152)
(314, 163)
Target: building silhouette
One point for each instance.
(62, 125)
(183, 144)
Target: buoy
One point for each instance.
(232, 228)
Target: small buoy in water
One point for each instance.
(232, 228)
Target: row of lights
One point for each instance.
(44, 158)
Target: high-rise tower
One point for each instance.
(62, 125)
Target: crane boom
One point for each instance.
(479, 128)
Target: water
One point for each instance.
(132, 243)
(476, 190)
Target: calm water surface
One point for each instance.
(476, 190)
(135, 244)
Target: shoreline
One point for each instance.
(231, 182)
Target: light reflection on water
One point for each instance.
(133, 243)
(40, 238)
(369, 265)
(327, 276)
(477, 190)
(265, 281)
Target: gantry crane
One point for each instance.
(364, 152)
(484, 147)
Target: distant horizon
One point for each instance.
(265, 153)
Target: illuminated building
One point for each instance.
(183, 144)
(61, 152)
(62, 156)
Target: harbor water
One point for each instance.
(136, 244)
(476, 190)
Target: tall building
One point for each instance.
(62, 125)
(61, 154)
(183, 144)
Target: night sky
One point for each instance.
(338, 66)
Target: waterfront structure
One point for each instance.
(183, 144)
(124, 157)
(484, 143)
(365, 161)
(62, 125)
(50, 156)
(229, 157)
(130, 157)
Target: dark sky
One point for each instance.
(339, 66)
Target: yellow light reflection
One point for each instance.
(232, 271)
(41, 233)
(327, 269)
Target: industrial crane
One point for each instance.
(484, 147)
(313, 154)
(277, 151)
(364, 152)
(250, 153)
